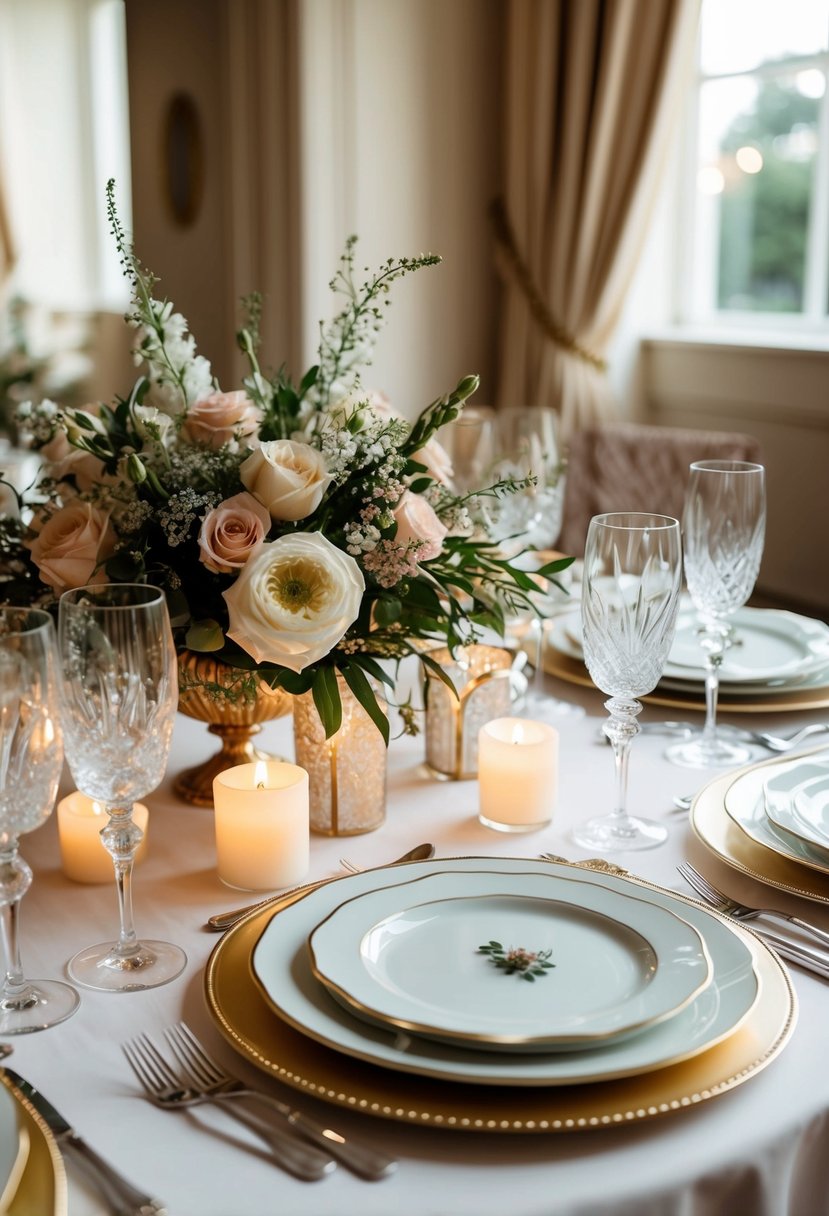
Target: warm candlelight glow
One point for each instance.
(80, 822)
(517, 774)
(262, 832)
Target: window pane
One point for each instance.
(738, 35)
(758, 141)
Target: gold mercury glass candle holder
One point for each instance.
(484, 679)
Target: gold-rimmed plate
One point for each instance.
(573, 671)
(243, 1016)
(722, 837)
(34, 1178)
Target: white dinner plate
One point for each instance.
(797, 800)
(282, 967)
(410, 956)
(745, 805)
(774, 649)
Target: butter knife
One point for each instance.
(123, 1197)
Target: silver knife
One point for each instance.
(123, 1197)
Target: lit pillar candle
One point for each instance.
(80, 822)
(262, 832)
(517, 774)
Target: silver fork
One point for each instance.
(730, 907)
(209, 1077)
(165, 1088)
(784, 743)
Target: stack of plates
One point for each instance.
(372, 991)
(771, 820)
(778, 660)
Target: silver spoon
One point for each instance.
(223, 920)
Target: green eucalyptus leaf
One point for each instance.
(387, 610)
(326, 696)
(359, 684)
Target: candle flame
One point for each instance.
(260, 775)
(517, 733)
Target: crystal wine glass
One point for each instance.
(630, 597)
(31, 758)
(119, 703)
(724, 529)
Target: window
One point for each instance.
(64, 130)
(758, 167)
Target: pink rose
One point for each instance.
(417, 522)
(63, 459)
(437, 461)
(217, 419)
(231, 531)
(72, 545)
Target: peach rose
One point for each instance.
(418, 523)
(63, 460)
(288, 477)
(72, 545)
(217, 419)
(231, 531)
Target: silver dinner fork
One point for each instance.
(730, 907)
(166, 1089)
(209, 1077)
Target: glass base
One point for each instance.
(153, 964)
(616, 834)
(718, 754)
(46, 1003)
(514, 827)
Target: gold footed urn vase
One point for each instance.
(234, 703)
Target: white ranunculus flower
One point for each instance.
(153, 426)
(289, 478)
(294, 600)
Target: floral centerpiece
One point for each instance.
(299, 530)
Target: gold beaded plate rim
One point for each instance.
(42, 1184)
(714, 828)
(244, 1018)
(572, 671)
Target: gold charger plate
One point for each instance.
(563, 667)
(243, 1016)
(722, 836)
(41, 1183)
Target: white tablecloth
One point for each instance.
(759, 1150)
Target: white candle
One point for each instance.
(262, 832)
(517, 774)
(80, 822)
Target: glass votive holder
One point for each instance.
(483, 678)
(261, 818)
(81, 820)
(517, 774)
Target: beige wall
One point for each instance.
(323, 118)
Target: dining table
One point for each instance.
(757, 1148)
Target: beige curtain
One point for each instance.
(592, 92)
(7, 256)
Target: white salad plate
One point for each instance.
(746, 805)
(797, 800)
(281, 965)
(410, 956)
(774, 649)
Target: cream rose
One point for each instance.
(71, 546)
(231, 531)
(418, 523)
(288, 478)
(220, 417)
(294, 600)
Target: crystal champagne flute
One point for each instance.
(630, 597)
(724, 529)
(31, 758)
(120, 694)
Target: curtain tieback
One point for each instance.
(557, 333)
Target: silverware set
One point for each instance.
(760, 738)
(768, 923)
(298, 1144)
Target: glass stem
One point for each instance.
(121, 837)
(621, 729)
(714, 643)
(15, 880)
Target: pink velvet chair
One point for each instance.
(627, 466)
